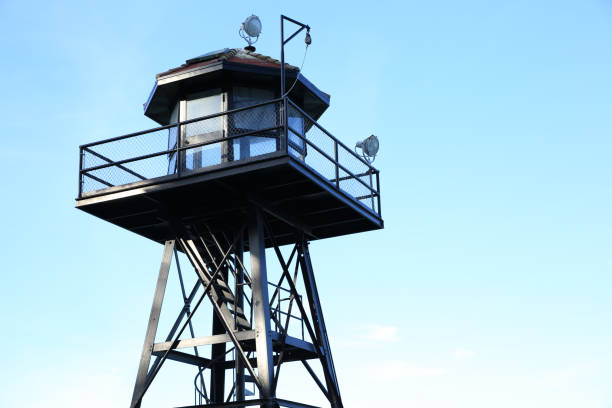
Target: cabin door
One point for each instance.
(206, 136)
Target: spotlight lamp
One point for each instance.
(250, 30)
(369, 148)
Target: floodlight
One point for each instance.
(369, 147)
(252, 26)
(250, 29)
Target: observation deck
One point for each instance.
(272, 154)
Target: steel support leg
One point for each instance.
(217, 372)
(319, 327)
(147, 348)
(239, 291)
(229, 317)
(261, 305)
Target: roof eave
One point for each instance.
(291, 73)
(185, 74)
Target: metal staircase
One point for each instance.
(251, 330)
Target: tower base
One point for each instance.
(257, 325)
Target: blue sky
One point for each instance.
(489, 286)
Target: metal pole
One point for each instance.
(283, 42)
(378, 191)
(80, 172)
(285, 119)
(319, 324)
(336, 165)
(179, 162)
(261, 304)
(372, 191)
(282, 56)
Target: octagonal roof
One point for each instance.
(227, 67)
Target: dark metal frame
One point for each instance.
(282, 128)
(179, 147)
(213, 258)
(284, 42)
(217, 259)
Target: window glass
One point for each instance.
(203, 105)
(202, 131)
(296, 129)
(259, 118)
(244, 96)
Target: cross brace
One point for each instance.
(255, 346)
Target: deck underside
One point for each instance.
(293, 197)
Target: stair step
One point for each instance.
(232, 305)
(221, 283)
(242, 323)
(239, 312)
(227, 296)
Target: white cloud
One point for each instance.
(381, 333)
(463, 354)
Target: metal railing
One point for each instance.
(280, 316)
(332, 159)
(273, 128)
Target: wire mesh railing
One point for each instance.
(333, 160)
(254, 132)
(180, 148)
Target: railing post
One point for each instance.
(336, 164)
(378, 192)
(80, 172)
(178, 151)
(371, 188)
(285, 119)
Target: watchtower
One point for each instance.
(234, 167)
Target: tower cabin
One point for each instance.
(228, 140)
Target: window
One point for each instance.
(249, 120)
(295, 134)
(202, 131)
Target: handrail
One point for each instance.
(185, 122)
(173, 150)
(330, 135)
(280, 132)
(337, 163)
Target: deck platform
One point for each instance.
(306, 192)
